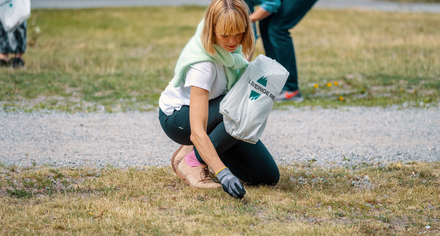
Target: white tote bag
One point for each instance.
(13, 13)
(247, 105)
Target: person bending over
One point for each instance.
(207, 68)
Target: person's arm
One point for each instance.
(266, 8)
(198, 113)
(198, 118)
(259, 14)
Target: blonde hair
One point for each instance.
(228, 17)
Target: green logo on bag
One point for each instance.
(254, 95)
(261, 82)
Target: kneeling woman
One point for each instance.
(207, 68)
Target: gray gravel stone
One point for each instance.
(327, 137)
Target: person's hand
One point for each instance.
(231, 184)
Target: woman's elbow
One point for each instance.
(197, 136)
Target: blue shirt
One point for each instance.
(268, 5)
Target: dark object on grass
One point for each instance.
(17, 62)
(3, 63)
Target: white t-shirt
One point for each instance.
(206, 75)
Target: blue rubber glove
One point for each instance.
(230, 183)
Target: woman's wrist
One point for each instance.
(216, 173)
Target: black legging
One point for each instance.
(252, 163)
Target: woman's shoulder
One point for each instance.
(205, 71)
(206, 66)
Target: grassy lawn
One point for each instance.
(120, 59)
(387, 199)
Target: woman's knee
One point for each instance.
(273, 178)
(268, 178)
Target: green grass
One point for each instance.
(120, 59)
(379, 199)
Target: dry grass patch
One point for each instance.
(399, 198)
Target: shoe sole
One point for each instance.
(297, 100)
(291, 100)
(178, 173)
(174, 157)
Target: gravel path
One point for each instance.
(360, 134)
(329, 136)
